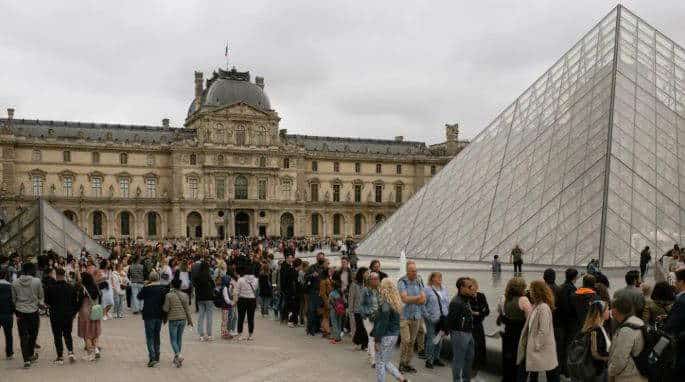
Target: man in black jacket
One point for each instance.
(62, 301)
(7, 312)
(563, 314)
(153, 295)
(460, 319)
(675, 323)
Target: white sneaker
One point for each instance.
(202, 339)
(250, 337)
(209, 339)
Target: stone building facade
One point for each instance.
(229, 171)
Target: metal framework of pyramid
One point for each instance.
(589, 162)
(40, 227)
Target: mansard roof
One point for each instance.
(357, 145)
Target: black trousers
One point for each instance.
(7, 322)
(27, 323)
(246, 306)
(293, 306)
(518, 266)
(129, 296)
(61, 328)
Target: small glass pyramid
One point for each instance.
(589, 162)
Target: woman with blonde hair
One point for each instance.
(537, 349)
(600, 342)
(386, 329)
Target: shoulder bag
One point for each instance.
(96, 311)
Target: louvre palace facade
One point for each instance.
(228, 171)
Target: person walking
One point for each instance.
(6, 312)
(176, 306)
(27, 297)
(599, 339)
(62, 301)
(153, 296)
(136, 275)
(247, 301)
(537, 350)
(368, 310)
(386, 329)
(204, 295)
(460, 324)
(89, 327)
(435, 312)
(413, 296)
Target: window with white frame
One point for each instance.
(68, 186)
(36, 156)
(96, 185)
(151, 187)
(124, 184)
(192, 183)
(37, 182)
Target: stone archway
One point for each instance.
(242, 224)
(98, 224)
(153, 225)
(194, 225)
(287, 225)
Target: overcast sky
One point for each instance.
(371, 69)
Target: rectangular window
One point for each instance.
(336, 192)
(262, 161)
(315, 166)
(398, 193)
(378, 168)
(96, 157)
(357, 193)
(151, 187)
(336, 166)
(96, 185)
(36, 156)
(150, 160)
(37, 183)
(379, 193)
(66, 156)
(193, 187)
(357, 167)
(433, 170)
(261, 191)
(220, 188)
(286, 162)
(398, 169)
(123, 186)
(314, 188)
(68, 186)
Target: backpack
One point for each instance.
(656, 361)
(579, 358)
(219, 301)
(339, 306)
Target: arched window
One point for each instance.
(151, 224)
(240, 187)
(123, 158)
(358, 221)
(97, 223)
(125, 223)
(337, 223)
(315, 224)
(193, 159)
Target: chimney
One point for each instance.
(10, 113)
(259, 81)
(165, 122)
(198, 84)
(399, 138)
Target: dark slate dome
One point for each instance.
(230, 87)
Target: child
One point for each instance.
(337, 312)
(496, 265)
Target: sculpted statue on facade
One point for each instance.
(326, 196)
(81, 191)
(52, 189)
(111, 191)
(138, 192)
(348, 197)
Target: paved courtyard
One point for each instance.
(278, 353)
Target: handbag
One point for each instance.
(96, 311)
(442, 321)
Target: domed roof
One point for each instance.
(230, 87)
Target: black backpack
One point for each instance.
(579, 358)
(656, 361)
(219, 301)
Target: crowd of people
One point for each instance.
(566, 331)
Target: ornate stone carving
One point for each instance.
(348, 197)
(111, 191)
(81, 191)
(138, 192)
(326, 196)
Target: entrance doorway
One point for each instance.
(262, 230)
(287, 225)
(221, 231)
(242, 224)
(194, 225)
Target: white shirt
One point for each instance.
(247, 286)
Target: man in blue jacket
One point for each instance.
(675, 323)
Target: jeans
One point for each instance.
(27, 323)
(61, 328)
(432, 350)
(118, 305)
(7, 322)
(336, 326)
(463, 349)
(176, 335)
(384, 359)
(264, 304)
(246, 306)
(153, 327)
(408, 332)
(205, 317)
(136, 304)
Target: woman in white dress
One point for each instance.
(104, 282)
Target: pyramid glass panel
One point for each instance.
(541, 176)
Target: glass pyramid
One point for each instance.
(40, 227)
(589, 162)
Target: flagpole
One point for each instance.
(226, 54)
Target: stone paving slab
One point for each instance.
(278, 353)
